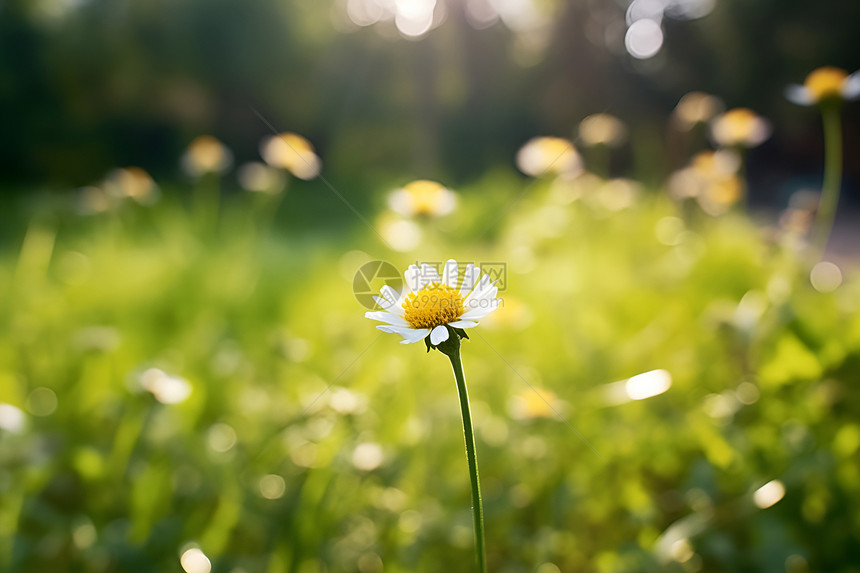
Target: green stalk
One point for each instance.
(453, 352)
(832, 176)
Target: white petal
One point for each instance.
(428, 275)
(488, 294)
(470, 279)
(387, 317)
(389, 299)
(450, 273)
(413, 278)
(439, 334)
(799, 95)
(390, 294)
(383, 302)
(851, 89)
(409, 334)
(414, 335)
(447, 203)
(401, 203)
(463, 324)
(483, 291)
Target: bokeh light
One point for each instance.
(194, 560)
(825, 277)
(648, 384)
(769, 494)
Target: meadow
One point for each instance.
(200, 198)
(662, 390)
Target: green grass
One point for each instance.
(260, 324)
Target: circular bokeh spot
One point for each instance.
(369, 279)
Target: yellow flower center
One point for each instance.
(725, 192)
(434, 305)
(825, 82)
(739, 123)
(207, 153)
(426, 196)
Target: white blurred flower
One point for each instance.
(292, 152)
(549, 156)
(261, 178)
(166, 389)
(206, 154)
(602, 129)
(696, 107)
(825, 84)
(740, 127)
(422, 197)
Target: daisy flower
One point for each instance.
(602, 129)
(422, 197)
(292, 152)
(431, 307)
(827, 88)
(206, 154)
(695, 108)
(549, 156)
(436, 310)
(825, 84)
(740, 127)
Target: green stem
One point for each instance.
(471, 455)
(832, 176)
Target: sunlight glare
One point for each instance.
(769, 494)
(648, 384)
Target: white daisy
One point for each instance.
(206, 154)
(740, 127)
(429, 305)
(423, 197)
(824, 84)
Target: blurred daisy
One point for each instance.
(712, 179)
(166, 389)
(93, 200)
(715, 164)
(431, 306)
(740, 127)
(260, 178)
(206, 155)
(292, 152)
(823, 85)
(549, 155)
(695, 108)
(602, 129)
(616, 194)
(133, 183)
(422, 197)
